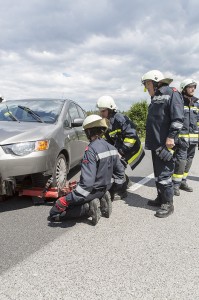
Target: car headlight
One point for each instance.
(26, 148)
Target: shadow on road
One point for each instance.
(69, 222)
(13, 203)
(16, 203)
(136, 179)
(138, 201)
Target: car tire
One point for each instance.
(60, 172)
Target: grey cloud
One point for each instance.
(83, 49)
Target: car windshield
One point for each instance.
(37, 110)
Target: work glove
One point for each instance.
(58, 211)
(164, 153)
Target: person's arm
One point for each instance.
(128, 135)
(118, 174)
(87, 177)
(177, 116)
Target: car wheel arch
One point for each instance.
(67, 157)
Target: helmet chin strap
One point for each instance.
(111, 112)
(155, 86)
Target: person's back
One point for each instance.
(100, 166)
(108, 163)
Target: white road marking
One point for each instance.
(140, 183)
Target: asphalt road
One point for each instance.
(132, 255)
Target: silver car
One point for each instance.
(39, 138)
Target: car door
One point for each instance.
(81, 133)
(71, 135)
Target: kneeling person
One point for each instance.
(101, 169)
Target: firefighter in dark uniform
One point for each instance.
(122, 134)
(187, 138)
(164, 121)
(101, 170)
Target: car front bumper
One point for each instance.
(35, 162)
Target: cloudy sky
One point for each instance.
(83, 49)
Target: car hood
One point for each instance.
(14, 132)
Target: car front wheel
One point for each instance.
(60, 172)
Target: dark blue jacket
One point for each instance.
(165, 117)
(189, 132)
(101, 167)
(122, 134)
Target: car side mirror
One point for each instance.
(77, 122)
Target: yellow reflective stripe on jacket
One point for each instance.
(183, 135)
(131, 141)
(171, 150)
(115, 131)
(135, 155)
(193, 135)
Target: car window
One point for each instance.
(81, 112)
(24, 110)
(73, 112)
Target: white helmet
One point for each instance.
(187, 82)
(94, 121)
(156, 76)
(105, 102)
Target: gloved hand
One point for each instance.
(164, 153)
(58, 211)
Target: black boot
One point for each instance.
(157, 202)
(184, 186)
(176, 190)
(119, 195)
(106, 205)
(165, 210)
(94, 211)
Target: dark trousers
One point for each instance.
(80, 209)
(163, 177)
(183, 162)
